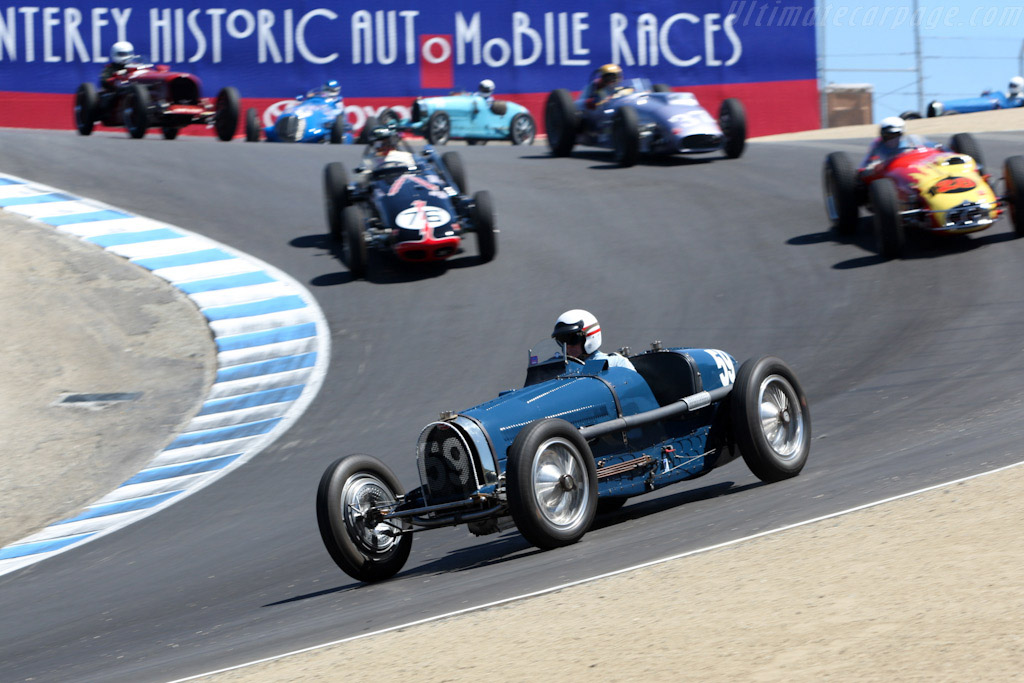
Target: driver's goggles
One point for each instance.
(571, 338)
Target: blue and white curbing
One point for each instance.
(273, 347)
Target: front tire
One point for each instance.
(351, 487)
(170, 132)
(561, 121)
(1014, 177)
(228, 110)
(353, 241)
(522, 130)
(965, 143)
(552, 483)
(771, 419)
(365, 134)
(626, 136)
(483, 224)
(136, 111)
(732, 119)
(252, 125)
(839, 179)
(336, 196)
(86, 102)
(885, 202)
(438, 128)
(453, 162)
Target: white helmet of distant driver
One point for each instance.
(122, 52)
(487, 86)
(581, 325)
(1016, 85)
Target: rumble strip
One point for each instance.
(273, 347)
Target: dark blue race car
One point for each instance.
(317, 116)
(639, 118)
(579, 439)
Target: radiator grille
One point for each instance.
(447, 469)
(288, 129)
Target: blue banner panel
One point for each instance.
(402, 49)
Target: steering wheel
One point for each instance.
(574, 359)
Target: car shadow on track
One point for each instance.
(606, 163)
(382, 269)
(509, 545)
(919, 245)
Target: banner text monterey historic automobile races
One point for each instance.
(385, 54)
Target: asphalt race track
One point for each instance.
(913, 369)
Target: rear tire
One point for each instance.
(771, 419)
(965, 143)
(353, 241)
(885, 202)
(348, 488)
(368, 126)
(228, 110)
(522, 130)
(338, 129)
(438, 128)
(136, 111)
(482, 215)
(551, 483)
(252, 125)
(839, 179)
(336, 196)
(910, 115)
(732, 119)
(626, 136)
(1014, 178)
(561, 121)
(86, 102)
(170, 132)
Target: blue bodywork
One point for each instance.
(629, 462)
(310, 119)
(472, 117)
(987, 101)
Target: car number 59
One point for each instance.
(725, 364)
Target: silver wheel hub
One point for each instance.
(362, 494)
(782, 419)
(560, 485)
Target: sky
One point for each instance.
(967, 46)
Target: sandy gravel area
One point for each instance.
(77, 321)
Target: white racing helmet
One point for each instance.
(891, 128)
(578, 325)
(122, 52)
(486, 86)
(1016, 85)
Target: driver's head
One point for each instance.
(122, 52)
(332, 88)
(579, 331)
(385, 140)
(891, 131)
(1016, 85)
(611, 74)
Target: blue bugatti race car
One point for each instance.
(475, 117)
(988, 100)
(317, 116)
(578, 439)
(633, 118)
(412, 204)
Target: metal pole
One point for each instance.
(1020, 60)
(822, 82)
(917, 56)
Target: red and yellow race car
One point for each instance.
(925, 186)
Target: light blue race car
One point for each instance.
(474, 117)
(317, 116)
(987, 101)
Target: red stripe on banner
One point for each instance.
(437, 61)
(772, 107)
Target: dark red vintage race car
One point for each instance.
(146, 96)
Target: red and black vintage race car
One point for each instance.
(144, 96)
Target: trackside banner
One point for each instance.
(397, 50)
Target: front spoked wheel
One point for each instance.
(354, 493)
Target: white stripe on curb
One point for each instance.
(273, 347)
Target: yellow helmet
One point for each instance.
(610, 74)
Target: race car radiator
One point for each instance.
(447, 469)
